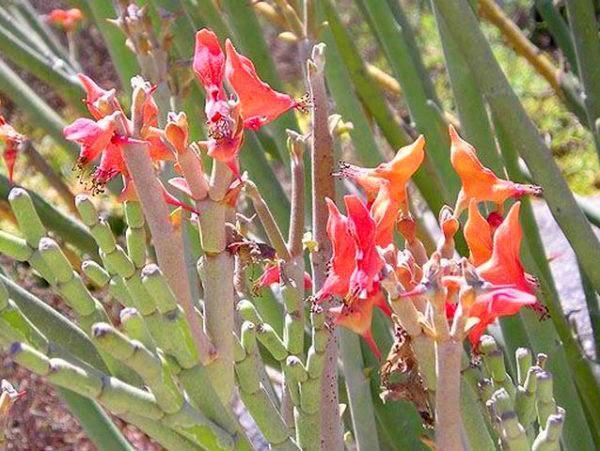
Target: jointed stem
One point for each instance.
(169, 251)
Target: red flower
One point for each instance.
(272, 275)
(67, 19)
(12, 140)
(357, 315)
(479, 182)
(209, 64)
(369, 263)
(92, 136)
(257, 104)
(495, 303)
(105, 136)
(260, 104)
(342, 262)
(505, 267)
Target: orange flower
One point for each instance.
(357, 315)
(505, 267)
(479, 182)
(397, 172)
(67, 19)
(384, 211)
(478, 235)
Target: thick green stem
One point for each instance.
(167, 243)
(253, 394)
(216, 270)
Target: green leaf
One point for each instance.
(123, 60)
(38, 111)
(427, 118)
(584, 30)
(523, 135)
(95, 422)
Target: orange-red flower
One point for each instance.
(384, 210)
(100, 102)
(209, 64)
(357, 315)
(67, 19)
(493, 304)
(479, 182)
(478, 235)
(505, 267)
(105, 136)
(12, 140)
(257, 103)
(342, 262)
(369, 263)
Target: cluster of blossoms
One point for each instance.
(366, 263)
(67, 19)
(366, 270)
(253, 105)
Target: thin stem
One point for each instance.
(296, 233)
(322, 187)
(268, 222)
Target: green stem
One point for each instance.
(428, 121)
(167, 242)
(584, 30)
(359, 392)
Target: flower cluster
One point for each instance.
(367, 270)
(255, 103)
(67, 19)
(110, 131)
(105, 136)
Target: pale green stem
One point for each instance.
(253, 394)
(216, 274)
(167, 243)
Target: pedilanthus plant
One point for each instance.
(173, 365)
